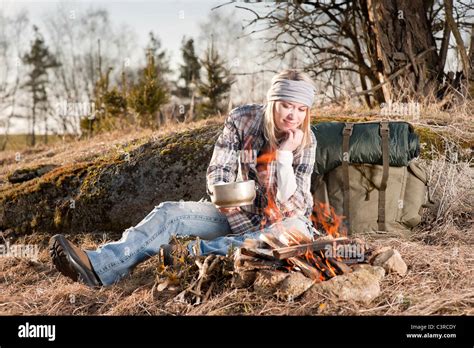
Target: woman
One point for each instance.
(279, 131)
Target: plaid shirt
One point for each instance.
(243, 130)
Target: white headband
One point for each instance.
(291, 90)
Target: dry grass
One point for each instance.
(85, 150)
(439, 282)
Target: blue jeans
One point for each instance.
(112, 261)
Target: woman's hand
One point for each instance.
(229, 210)
(293, 140)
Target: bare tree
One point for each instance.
(75, 35)
(12, 31)
(244, 51)
(385, 43)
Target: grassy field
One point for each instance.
(20, 142)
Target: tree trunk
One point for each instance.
(33, 121)
(443, 52)
(191, 109)
(448, 8)
(402, 32)
(471, 62)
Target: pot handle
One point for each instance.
(209, 192)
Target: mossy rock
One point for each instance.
(25, 174)
(113, 192)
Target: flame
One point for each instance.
(331, 269)
(266, 158)
(325, 217)
(272, 213)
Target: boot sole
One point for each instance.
(65, 262)
(60, 259)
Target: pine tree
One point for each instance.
(40, 60)
(217, 87)
(110, 106)
(149, 94)
(190, 70)
(110, 110)
(162, 65)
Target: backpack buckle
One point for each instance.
(348, 128)
(384, 128)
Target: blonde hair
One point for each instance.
(269, 127)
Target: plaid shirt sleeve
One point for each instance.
(223, 168)
(303, 165)
(223, 165)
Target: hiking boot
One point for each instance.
(176, 252)
(166, 254)
(72, 261)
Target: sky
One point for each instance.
(170, 20)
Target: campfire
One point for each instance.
(292, 250)
(317, 260)
(288, 263)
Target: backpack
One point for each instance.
(369, 173)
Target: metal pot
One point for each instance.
(233, 194)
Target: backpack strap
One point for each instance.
(346, 135)
(385, 134)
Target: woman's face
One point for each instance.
(289, 115)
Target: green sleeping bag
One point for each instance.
(364, 144)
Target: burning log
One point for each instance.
(341, 266)
(319, 260)
(305, 266)
(289, 249)
(271, 240)
(326, 269)
(297, 250)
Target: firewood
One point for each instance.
(243, 262)
(297, 250)
(251, 264)
(258, 253)
(293, 237)
(341, 266)
(271, 240)
(195, 288)
(305, 267)
(328, 272)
